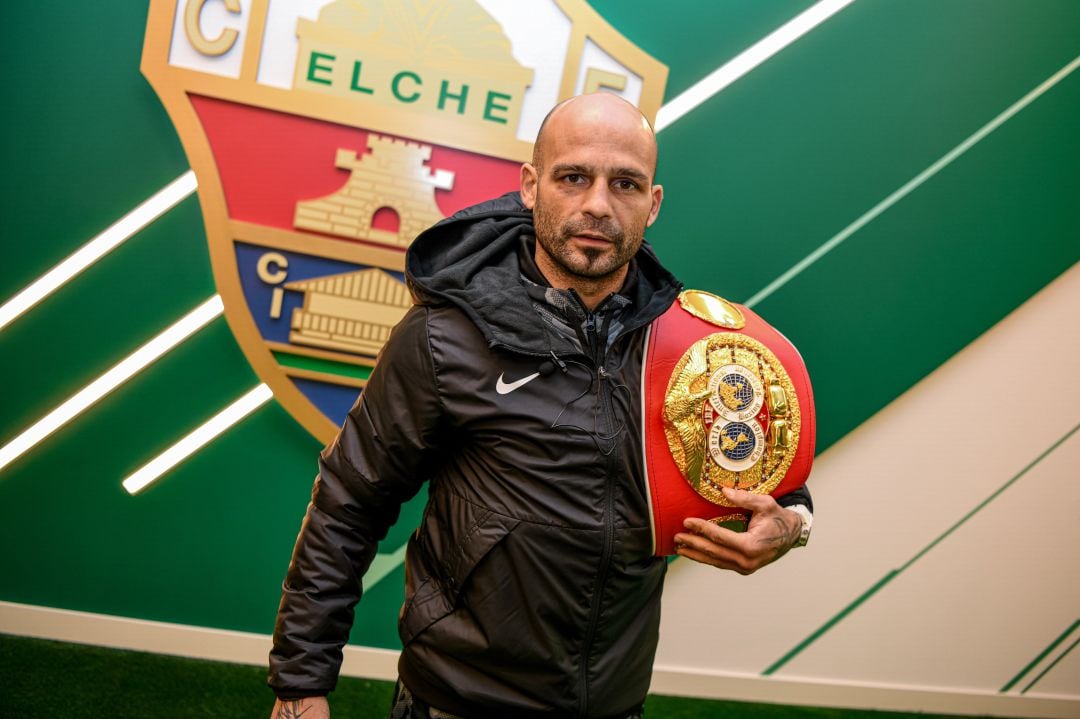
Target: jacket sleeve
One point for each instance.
(379, 460)
(800, 495)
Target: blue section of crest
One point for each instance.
(259, 294)
(333, 400)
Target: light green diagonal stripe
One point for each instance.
(913, 184)
(383, 565)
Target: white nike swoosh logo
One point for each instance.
(504, 388)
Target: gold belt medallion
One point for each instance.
(731, 416)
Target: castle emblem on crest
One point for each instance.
(327, 134)
(391, 178)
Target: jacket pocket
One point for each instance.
(450, 560)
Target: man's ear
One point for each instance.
(529, 178)
(657, 198)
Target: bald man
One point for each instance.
(511, 388)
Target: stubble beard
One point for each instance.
(588, 263)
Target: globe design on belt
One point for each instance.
(735, 392)
(736, 441)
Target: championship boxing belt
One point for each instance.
(727, 403)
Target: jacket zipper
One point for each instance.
(598, 352)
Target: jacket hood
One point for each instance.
(470, 260)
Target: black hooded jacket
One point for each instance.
(531, 589)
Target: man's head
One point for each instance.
(590, 187)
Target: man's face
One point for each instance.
(592, 196)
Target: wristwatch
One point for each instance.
(807, 522)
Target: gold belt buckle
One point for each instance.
(731, 416)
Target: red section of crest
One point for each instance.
(673, 499)
(268, 161)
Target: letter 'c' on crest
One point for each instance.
(219, 45)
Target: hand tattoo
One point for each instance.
(783, 540)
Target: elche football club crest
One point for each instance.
(326, 134)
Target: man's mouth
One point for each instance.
(589, 238)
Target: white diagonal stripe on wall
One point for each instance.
(115, 235)
(747, 60)
(198, 438)
(124, 370)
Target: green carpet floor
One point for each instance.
(69, 681)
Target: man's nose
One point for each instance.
(598, 201)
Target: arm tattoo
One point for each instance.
(291, 710)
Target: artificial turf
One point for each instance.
(55, 680)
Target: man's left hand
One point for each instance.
(772, 531)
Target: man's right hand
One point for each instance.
(308, 708)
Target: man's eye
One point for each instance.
(626, 185)
(573, 179)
